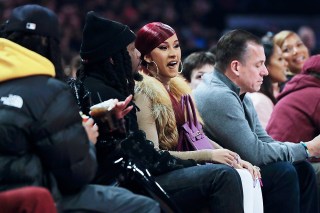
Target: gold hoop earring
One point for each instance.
(181, 67)
(155, 66)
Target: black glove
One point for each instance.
(137, 147)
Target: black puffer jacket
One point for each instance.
(42, 141)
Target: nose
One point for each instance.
(173, 52)
(265, 71)
(295, 50)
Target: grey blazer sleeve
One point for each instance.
(234, 125)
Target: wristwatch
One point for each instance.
(306, 148)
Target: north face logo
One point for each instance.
(12, 100)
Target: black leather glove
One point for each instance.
(137, 147)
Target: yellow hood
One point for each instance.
(17, 62)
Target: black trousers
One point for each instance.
(289, 187)
(215, 187)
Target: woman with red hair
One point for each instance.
(158, 96)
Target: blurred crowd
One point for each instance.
(199, 23)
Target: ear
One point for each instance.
(235, 67)
(147, 58)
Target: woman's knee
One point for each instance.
(230, 173)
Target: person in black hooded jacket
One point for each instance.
(42, 138)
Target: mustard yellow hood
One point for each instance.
(17, 62)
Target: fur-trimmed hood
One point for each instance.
(161, 106)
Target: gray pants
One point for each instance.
(97, 198)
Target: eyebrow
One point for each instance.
(261, 62)
(165, 42)
(289, 45)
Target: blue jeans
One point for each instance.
(289, 187)
(214, 186)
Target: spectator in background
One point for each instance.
(294, 52)
(289, 183)
(195, 66)
(70, 20)
(264, 100)
(71, 70)
(296, 117)
(43, 142)
(308, 36)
